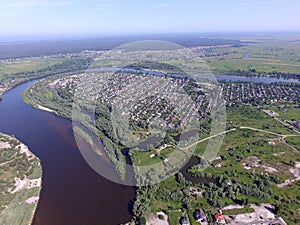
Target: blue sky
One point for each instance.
(69, 17)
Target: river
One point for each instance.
(226, 78)
(72, 192)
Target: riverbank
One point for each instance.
(66, 175)
(21, 182)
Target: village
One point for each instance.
(259, 93)
(142, 96)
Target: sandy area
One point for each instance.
(24, 149)
(26, 184)
(32, 200)
(254, 162)
(233, 207)
(262, 215)
(152, 219)
(296, 172)
(279, 153)
(4, 145)
(45, 108)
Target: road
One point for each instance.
(204, 139)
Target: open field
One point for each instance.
(264, 57)
(243, 115)
(290, 112)
(294, 141)
(26, 65)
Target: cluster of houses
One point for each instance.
(263, 93)
(206, 51)
(201, 217)
(297, 125)
(141, 96)
(3, 87)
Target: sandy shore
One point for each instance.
(45, 108)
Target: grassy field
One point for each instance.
(294, 141)
(242, 115)
(142, 158)
(18, 211)
(13, 164)
(26, 65)
(261, 56)
(292, 112)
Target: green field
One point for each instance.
(26, 65)
(294, 141)
(243, 115)
(264, 57)
(292, 112)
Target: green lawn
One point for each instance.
(142, 158)
(238, 211)
(174, 217)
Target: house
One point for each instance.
(297, 125)
(220, 218)
(200, 216)
(197, 215)
(185, 221)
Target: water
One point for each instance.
(72, 193)
(196, 180)
(228, 78)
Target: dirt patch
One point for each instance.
(279, 153)
(262, 214)
(26, 184)
(24, 149)
(254, 162)
(233, 207)
(4, 145)
(152, 219)
(296, 172)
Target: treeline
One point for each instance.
(45, 47)
(254, 72)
